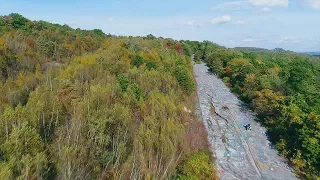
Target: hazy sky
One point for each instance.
(293, 24)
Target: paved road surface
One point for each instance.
(239, 154)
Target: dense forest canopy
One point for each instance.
(283, 88)
(80, 104)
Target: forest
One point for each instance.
(82, 104)
(283, 89)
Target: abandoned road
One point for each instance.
(238, 153)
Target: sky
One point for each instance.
(289, 24)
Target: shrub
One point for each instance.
(197, 166)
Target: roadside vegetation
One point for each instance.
(283, 88)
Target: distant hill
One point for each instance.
(317, 53)
(252, 49)
(255, 49)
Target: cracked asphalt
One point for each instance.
(238, 153)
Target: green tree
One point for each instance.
(184, 77)
(24, 151)
(123, 82)
(137, 61)
(17, 20)
(198, 166)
